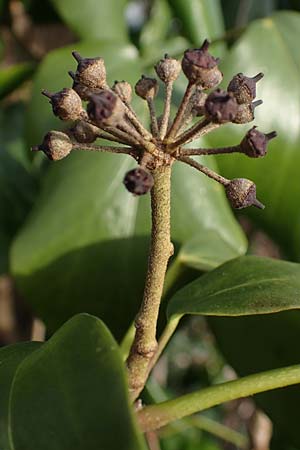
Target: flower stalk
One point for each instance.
(110, 116)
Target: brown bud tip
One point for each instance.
(105, 108)
(72, 74)
(271, 135)
(84, 132)
(200, 67)
(242, 193)
(124, 90)
(56, 145)
(146, 87)
(255, 143)
(47, 94)
(221, 106)
(77, 56)
(138, 181)
(245, 112)
(168, 69)
(90, 72)
(66, 104)
(244, 88)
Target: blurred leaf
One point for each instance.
(174, 47)
(93, 19)
(270, 46)
(17, 183)
(201, 19)
(76, 390)
(239, 13)
(89, 235)
(208, 250)
(10, 359)
(244, 286)
(156, 29)
(263, 342)
(11, 77)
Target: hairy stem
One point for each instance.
(208, 172)
(167, 109)
(155, 416)
(106, 148)
(154, 126)
(145, 344)
(210, 151)
(181, 111)
(199, 129)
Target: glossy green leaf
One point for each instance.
(244, 286)
(17, 183)
(264, 342)
(77, 392)
(269, 45)
(89, 236)
(12, 76)
(92, 19)
(10, 358)
(200, 19)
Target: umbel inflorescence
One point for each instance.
(109, 116)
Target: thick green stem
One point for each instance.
(145, 344)
(155, 416)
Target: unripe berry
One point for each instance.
(105, 109)
(242, 193)
(146, 87)
(124, 90)
(221, 106)
(84, 132)
(168, 69)
(56, 145)
(138, 181)
(90, 72)
(244, 88)
(200, 67)
(245, 112)
(66, 104)
(255, 143)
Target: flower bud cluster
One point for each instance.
(110, 116)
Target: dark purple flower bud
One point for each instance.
(138, 181)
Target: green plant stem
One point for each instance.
(145, 344)
(155, 416)
(213, 427)
(164, 339)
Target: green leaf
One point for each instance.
(93, 19)
(90, 236)
(245, 286)
(17, 183)
(75, 389)
(264, 342)
(200, 19)
(10, 358)
(155, 31)
(237, 14)
(11, 77)
(269, 45)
